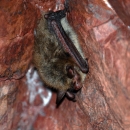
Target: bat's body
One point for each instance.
(59, 65)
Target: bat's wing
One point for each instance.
(54, 22)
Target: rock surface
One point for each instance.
(105, 38)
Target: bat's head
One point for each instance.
(75, 79)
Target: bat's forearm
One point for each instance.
(65, 41)
(69, 47)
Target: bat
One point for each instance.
(58, 56)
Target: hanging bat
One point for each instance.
(58, 56)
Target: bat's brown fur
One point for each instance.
(50, 58)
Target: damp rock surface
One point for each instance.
(104, 102)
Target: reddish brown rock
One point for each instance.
(37, 100)
(16, 47)
(16, 38)
(122, 10)
(11, 96)
(105, 37)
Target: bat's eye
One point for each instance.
(70, 71)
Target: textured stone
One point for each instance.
(16, 47)
(104, 102)
(16, 38)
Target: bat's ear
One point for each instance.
(70, 95)
(60, 97)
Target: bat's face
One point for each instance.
(68, 78)
(75, 82)
(59, 62)
(57, 69)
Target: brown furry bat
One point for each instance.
(58, 56)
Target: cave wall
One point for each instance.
(104, 35)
